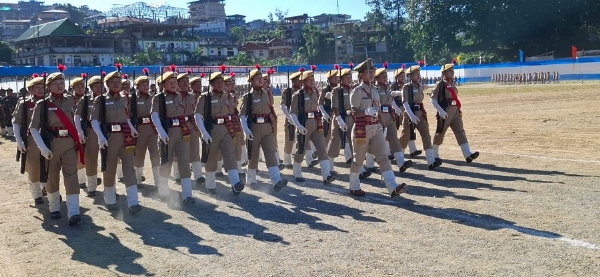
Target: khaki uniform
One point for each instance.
(117, 113)
(419, 111)
(32, 165)
(178, 144)
(147, 139)
(289, 144)
(220, 133)
(334, 146)
(327, 105)
(91, 148)
(387, 116)
(63, 148)
(80, 166)
(311, 101)
(189, 104)
(239, 135)
(454, 119)
(374, 140)
(262, 130)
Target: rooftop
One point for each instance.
(55, 11)
(63, 27)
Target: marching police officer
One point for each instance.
(147, 140)
(214, 108)
(175, 136)
(445, 100)
(305, 106)
(32, 165)
(78, 87)
(257, 108)
(388, 116)
(52, 117)
(197, 165)
(118, 138)
(9, 102)
(412, 101)
(87, 135)
(400, 77)
(342, 126)
(189, 105)
(333, 80)
(368, 132)
(289, 130)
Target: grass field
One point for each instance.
(528, 207)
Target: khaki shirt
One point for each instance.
(359, 97)
(64, 103)
(260, 103)
(335, 98)
(117, 108)
(144, 105)
(417, 93)
(447, 93)
(173, 103)
(18, 113)
(220, 104)
(79, 108)
(385, 97)
(284, 95)
(189, 102)
(311, 102)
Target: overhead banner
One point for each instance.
(211, 69)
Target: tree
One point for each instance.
(319, 47)
(240, 60)
(6, 52)
(238, 33)
(124, 60)
(150, 56)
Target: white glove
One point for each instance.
(290, 121)
(46, 152)
(385, 132)
(162, 135)
(81, 137)
(247, 132)
(372, 111)
(443, 114)
(134, 132)
(397, 109)
(301, 129)
(102, 142)
(21, 146)
(205, 136)
(341, 123)
(328, 95)
(413, 118)
(324, 113)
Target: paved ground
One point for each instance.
(528, 206)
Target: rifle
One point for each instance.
(328, 110)
(208, 125)
(133, 87)
(45, 134)
(443, 104)
(249, 122)
(398, 101)
(21, 156)
(133, 112)
(164, 148)
(302, 121)
(103, 125)
(411, 125)
(84, 113)
(343, 115)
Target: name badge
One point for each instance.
(214, 101)
(169, 102)
(115, 128)
(345, 94)
(90, 106)
(52, 109)
(385, 109)
(175, 122)
(306, 98)
(140, 103)
(382, 93)
(256, 100)
(415, 91)
(109, 103)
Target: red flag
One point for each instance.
(574, 52)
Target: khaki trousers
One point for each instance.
(374, 143)
(263, 138)
(334, 146)
(64, 157)
(223, 142)
(116, 152)
(177, 146)
(454, 121)
(422, 127)
(91, 151)
(147, 140)
(32, 164)
(317, 139)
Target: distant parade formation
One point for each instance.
(98, 130)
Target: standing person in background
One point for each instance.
(9, 102)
